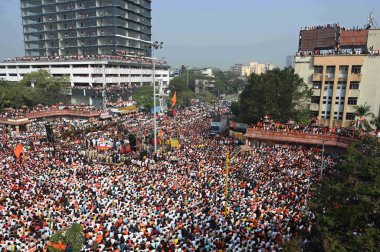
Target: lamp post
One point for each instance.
(155, 45)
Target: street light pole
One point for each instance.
(155, 45)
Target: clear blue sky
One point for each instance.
(220, 33)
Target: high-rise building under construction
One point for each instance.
(86, 27)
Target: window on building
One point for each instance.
(350, 116)
(352, 101)
(318, 69)
(314, 113)
(330, 69)
(316, 85)
(354, 85)
(356, 69)
(315, 99)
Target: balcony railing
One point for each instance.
(356, 77)
(317, 77)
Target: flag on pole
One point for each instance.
(174, 99)
(18, 150)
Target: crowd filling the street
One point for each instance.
(127, 198)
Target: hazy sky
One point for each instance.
(220, 33)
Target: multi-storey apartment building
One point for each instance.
(342, 68)
(256, 68)
(86, 27)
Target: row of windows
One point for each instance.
(351, 100)
(353, 85)
(349, 116)
(331, 69)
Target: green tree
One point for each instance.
(178, 84)
(206, 96)
(144, 97)
(184, 94)
(235, 108)
(376, 122)
(44, 87)
(72, 236)
(228, 82)
(280, 93)
(36, 87)
(362, 113)
(347, 203)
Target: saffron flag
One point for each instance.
(18, 150)
(174, 99)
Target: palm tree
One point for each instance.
(362, 112)
(376, 122)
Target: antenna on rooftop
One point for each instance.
(372, 24)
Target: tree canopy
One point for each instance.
(36, 87)
(280, 93)
(347, 203)
(70, 237)
(362, 113)
(144, 96)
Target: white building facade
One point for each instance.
(101, 73)
(256, 68)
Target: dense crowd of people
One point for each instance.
(171, 201)
(315, 127)
(23, 112)
(127, 58)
